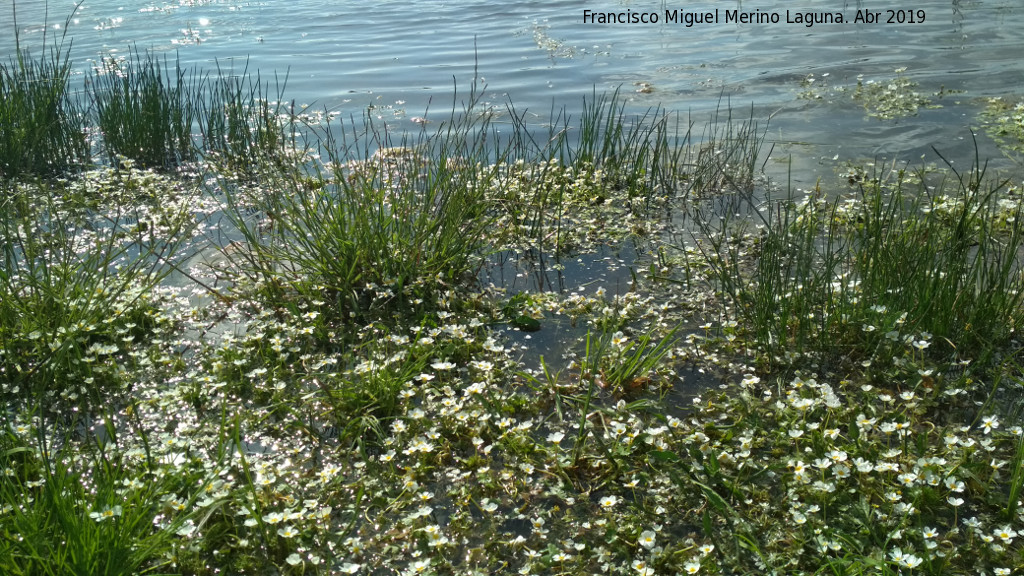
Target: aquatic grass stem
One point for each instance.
(146, 111)
(44, 127)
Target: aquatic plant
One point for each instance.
(392, 231)
(242, 129)
(890, 98)
(940, 262)
(1004, 121)
(76, 293)
(44, 126)
(146, 111)
(80, 509)
(341, 391)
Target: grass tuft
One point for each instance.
(44, 126)
(145, 111)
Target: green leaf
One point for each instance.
(664, 456)
(526, 323)
(716, 500)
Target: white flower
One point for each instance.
(293, 559)
(647, 539)
(105, 514)
(609, 501)
(989, 423)
(556, 437)
(642, 568)
(910, 561)
(1006, 534)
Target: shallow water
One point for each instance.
(407, 58)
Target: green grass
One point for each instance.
(96, 516)
(145, 111)
(937, 263)
(44, 124)
(75, 293)
(392, 231)
(242, 130)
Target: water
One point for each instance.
(413, 58)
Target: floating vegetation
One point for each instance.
(555, 48)
(894, 98)
(1004, 122)
(814, 87)
(883, 99)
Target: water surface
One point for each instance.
(416, 57)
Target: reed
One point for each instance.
(146, 110)
(639, 153)
(241, 129)
(44, 126)
(936, 266)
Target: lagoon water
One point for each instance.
(415, 58)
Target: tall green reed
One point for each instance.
(941, 263)
(243, 130)
(146, 111)
(948, 258)
(44, 126)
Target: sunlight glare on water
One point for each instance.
(410, 57)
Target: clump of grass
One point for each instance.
(638, 154)
(44, 126)
(242, 130)
(92, 511)
(596, 177)
(395, 230)
(145, 111)
(941, 263)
